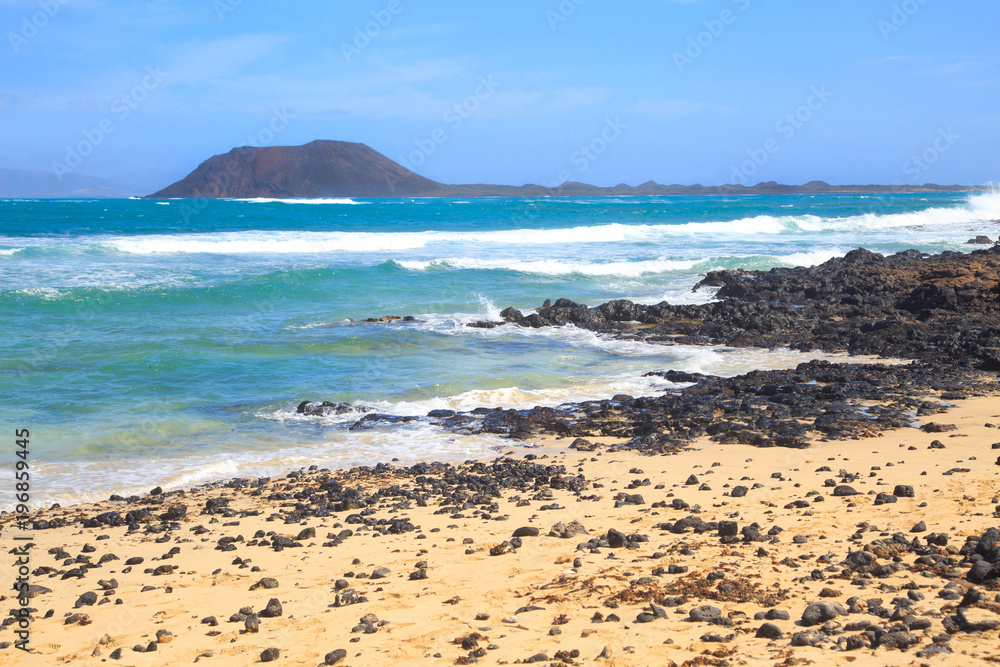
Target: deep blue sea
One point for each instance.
(168, 342)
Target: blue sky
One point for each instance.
(710, 91)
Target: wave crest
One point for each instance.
(319, 200)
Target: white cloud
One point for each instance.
(207, 61)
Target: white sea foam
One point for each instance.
(47, 293)
(678, 297)
(317, 325)
(635, 269)
(810, 258)
(986, 205)
(408, 442)
(489, 308)
(327, 200)
(9, 251)
(980, 209)
(503, 397)
(252, 242)
(553, 267)
(696, 359)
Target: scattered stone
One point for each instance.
(335, 657)
(808, 638)
(769, 631)
(504, 547)
(705, 613)
(87, 599)
(266, 583)
(251, 624)
(971, 619)
(821, 612)
(272, 610)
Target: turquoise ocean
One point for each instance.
(150, 342)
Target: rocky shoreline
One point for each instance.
(910, 305)
(941, 311)
(753, 538)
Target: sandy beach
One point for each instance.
(416, 582)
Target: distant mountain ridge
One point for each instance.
(326, 168)
(34, 184)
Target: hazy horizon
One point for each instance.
(730, 91)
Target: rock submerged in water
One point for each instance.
(511, 315)
(389, 318)
(326, 408)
